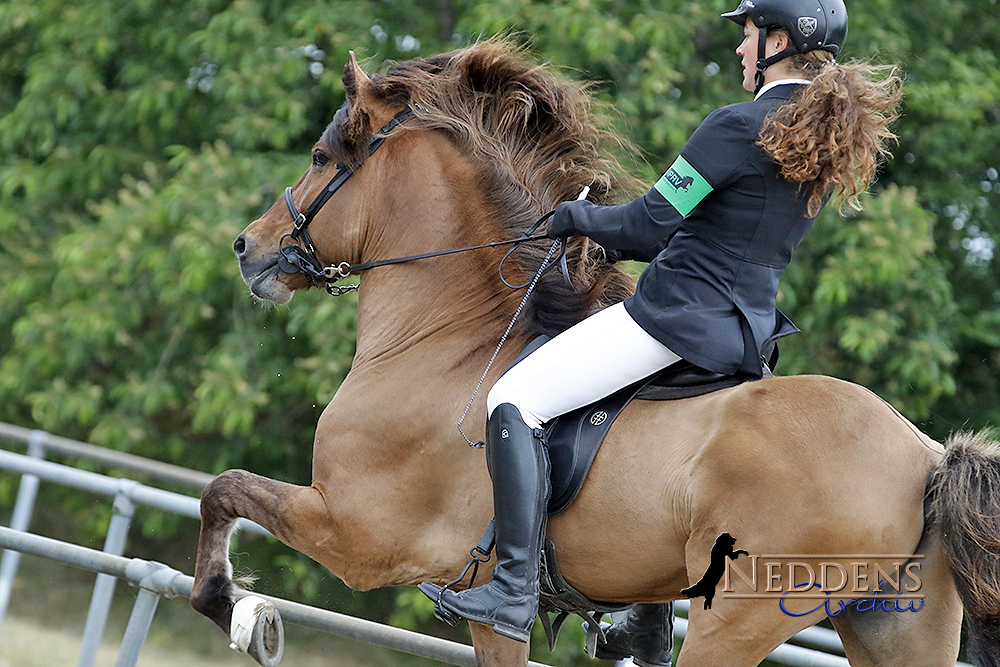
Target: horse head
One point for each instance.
(490, 142)
(336, 235)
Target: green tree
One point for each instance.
(876, 305)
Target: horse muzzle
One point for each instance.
(262, 272)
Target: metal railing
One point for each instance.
(155, 580)
(127, 495)
(164, 472)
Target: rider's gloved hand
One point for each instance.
(560, 225)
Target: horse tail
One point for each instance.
(964, 490)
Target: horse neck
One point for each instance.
(452, 307)
(448, 313)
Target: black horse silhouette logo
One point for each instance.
(678, 182)
(717, 567)
(685, 183)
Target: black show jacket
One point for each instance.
(709, 290)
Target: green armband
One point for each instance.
(683, 186)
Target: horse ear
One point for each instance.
(357, 85)
(356, 128)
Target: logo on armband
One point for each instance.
(679, 182)
(683, 186)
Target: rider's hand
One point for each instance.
(560, 225)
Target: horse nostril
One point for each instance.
(240, 246)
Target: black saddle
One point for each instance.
(574, 438)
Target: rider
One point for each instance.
(717, 229)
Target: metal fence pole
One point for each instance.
(154, 580)
(104, 588)
(138, 628)
(24, 507)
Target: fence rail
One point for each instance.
(161, 580)
(126, 493)
(165, 472)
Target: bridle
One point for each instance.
(298, 252)
(299, 256)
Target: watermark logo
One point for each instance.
(804, 583)
(722, 551)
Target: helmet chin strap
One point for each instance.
(763, 63)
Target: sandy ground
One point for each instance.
(29, 643)
(25, 643)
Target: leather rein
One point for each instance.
(298, 252)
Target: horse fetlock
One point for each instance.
(213, 596)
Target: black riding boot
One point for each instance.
(519, 465)
(647, 636)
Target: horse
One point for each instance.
(474, 146)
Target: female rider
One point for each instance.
(717, 230)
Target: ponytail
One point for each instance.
(834, 134)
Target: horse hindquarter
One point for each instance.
(788, 466)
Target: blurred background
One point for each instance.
(138, 137)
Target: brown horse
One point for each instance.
(809, 466)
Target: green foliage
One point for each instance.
(138, 138)
(876, 303)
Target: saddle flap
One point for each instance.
(573, 440)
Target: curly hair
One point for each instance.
(835, 133)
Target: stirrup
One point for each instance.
(480, 554)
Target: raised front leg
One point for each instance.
(297, 515)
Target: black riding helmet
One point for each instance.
(811, 24)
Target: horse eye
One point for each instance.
(320, 159)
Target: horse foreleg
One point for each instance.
(292, 513)
(493, 650)
(736, 632)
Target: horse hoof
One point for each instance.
(256, 629)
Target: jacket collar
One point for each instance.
(780, 85)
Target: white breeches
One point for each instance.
(593, 359)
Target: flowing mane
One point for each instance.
(539, 142)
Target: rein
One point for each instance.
(340, 271)
(298, 252)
